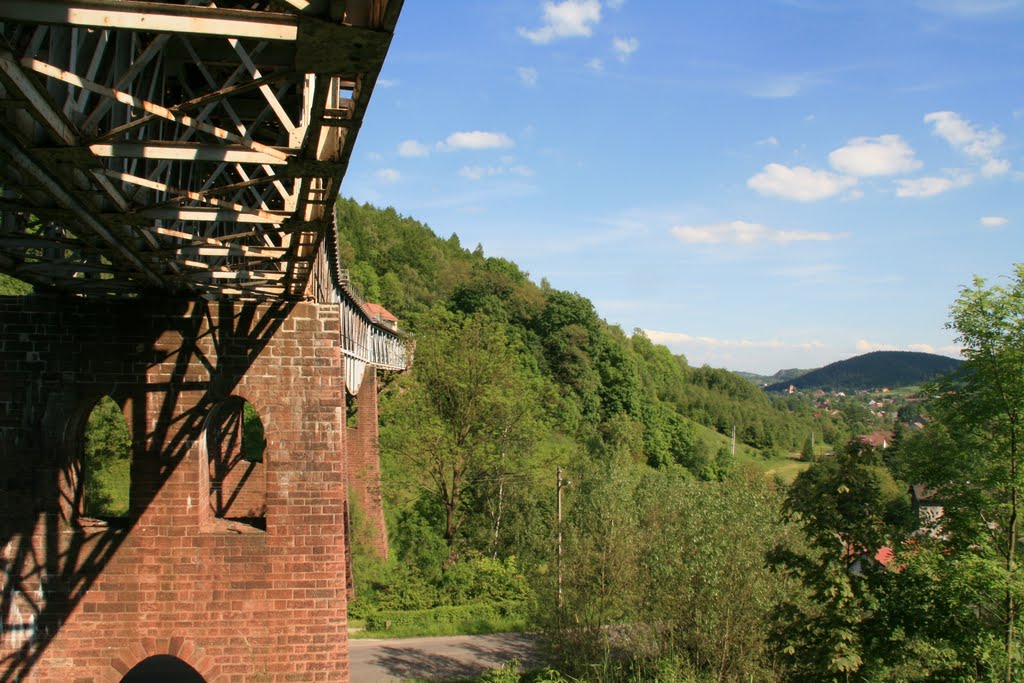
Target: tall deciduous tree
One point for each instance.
(975, 457)
(469, 418)
(839, 503)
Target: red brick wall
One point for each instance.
(87, 603)
(364, 461)
(238, 486)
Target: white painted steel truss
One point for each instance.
(365, 339)
(190, 147)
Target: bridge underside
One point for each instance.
(187, 147)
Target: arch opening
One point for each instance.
(235, 445)
(105, 463)
(351, 411)
(162, 669)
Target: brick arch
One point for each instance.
(231, 487)
(175, 646)
(68, 414)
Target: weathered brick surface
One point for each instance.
(89, 602)
(364, 461)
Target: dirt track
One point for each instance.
(444, 658)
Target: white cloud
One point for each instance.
(625, 47)
(770, 141)
(884, 155)
(994, 221)
(387, 82)
(596, 64)
(374, 156)
(528, 76)
(800, 183)
(479, 172)
(388, 175)
(473, 172)
(865, 346)
(779, 87)
(567, 19)
(675, 338)
(962, 135)
(745, 233)
(930, 186)
(994, 167)
(412, 148)
(475, 139)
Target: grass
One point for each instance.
(785, 467)
(111, 490)
(458, 628)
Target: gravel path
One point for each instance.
(444, 658)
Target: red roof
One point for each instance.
(877, 439)
(378, 311)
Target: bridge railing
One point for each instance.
(366, 340)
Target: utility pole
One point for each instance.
(558, 556)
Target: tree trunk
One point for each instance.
(1011, 556)
(1011, 607)
(451, 523)
(497, 516)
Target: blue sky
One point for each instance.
(758, 185)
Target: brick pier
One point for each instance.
(183, 584)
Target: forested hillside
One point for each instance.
(873, 371)
(780, 376)
(599, 377)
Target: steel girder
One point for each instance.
(189, 147)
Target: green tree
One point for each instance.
(468, 417)
(665, 573)
(849, 510)
(106, 466)
(807, 452)
(973, 452)
(10, 286)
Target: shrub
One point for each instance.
(425, 619)
(484, 580)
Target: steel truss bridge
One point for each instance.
(188, 147)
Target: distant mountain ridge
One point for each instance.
(873, 370)
(780, 376)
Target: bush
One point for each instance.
(426, 620)
(391, 588)
(484, 580)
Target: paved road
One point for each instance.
(443, 658)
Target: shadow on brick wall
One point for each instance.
(167, 364)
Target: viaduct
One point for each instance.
(168, 173)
